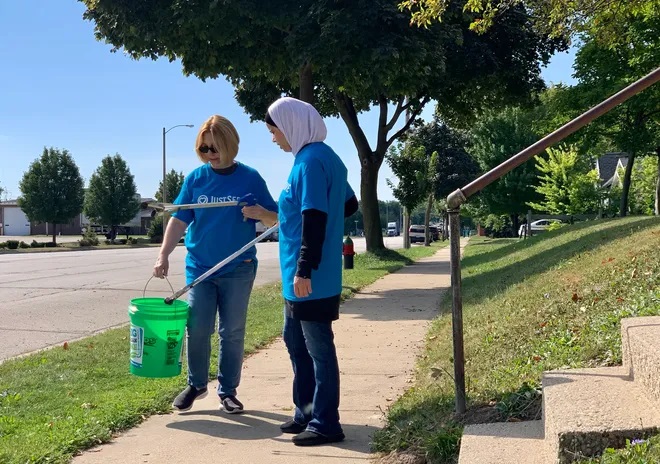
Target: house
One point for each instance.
(13, 221)
(608, 167)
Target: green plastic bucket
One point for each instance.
(156, 336)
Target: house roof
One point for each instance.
(607, 165)
(9, 203)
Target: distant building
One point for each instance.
(608, 167)
(13, 221)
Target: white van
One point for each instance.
(417, 233)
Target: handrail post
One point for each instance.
(457, 307)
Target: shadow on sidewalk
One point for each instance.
(404, 304)
(258, 425)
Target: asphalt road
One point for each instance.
(49, 298)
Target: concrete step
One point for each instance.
(504, 443)
(641, 352)
(588, 410)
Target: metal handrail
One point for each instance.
(460, 196)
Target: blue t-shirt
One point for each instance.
(215, 233)
(318, 180)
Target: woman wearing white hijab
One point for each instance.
(311, 214)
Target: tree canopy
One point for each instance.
(602, 18)
(52, 189)
(173, 184)
(111, 198)
(633, 126)
(568, 184)
(495, 138)
(345, 56)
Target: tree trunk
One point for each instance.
(307, 84)
(514, 224)
(657, 185)
(406, 227)
(625, 190)
(370, 214)
(54, 233)
(427, 220)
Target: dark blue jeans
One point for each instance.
(315, 374)
(227, 296)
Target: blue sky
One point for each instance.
(62, 88)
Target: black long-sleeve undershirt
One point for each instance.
(313, 235)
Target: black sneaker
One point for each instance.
(309, 438)
(293, 427)
(187, 397)
(231, 405)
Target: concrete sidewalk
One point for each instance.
(379, 334)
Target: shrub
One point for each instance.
(155, 232)
(23, 245)
(3, 244)
(90, 237)
(555, 226)
(12, 244)
(133, 241)
(50, 244)
(36, 244)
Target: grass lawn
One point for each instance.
(553, 301)
(63, 400)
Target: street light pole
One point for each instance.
(164, 188)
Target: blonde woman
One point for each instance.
(214, 234)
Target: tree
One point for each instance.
(643, 186)
(495, 138)
(52, 189)
(556, 17)
(409, 164)
(173, 183)
(568, 185)
(111, 198)
(346, 57)
(657, 183)
(450, 166)
(633, 126)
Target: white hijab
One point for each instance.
(299, 121)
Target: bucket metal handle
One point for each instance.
(147, 284)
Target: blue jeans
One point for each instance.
(227, 296)
(315, 374)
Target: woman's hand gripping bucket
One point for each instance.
(156, 335)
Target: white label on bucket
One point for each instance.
(137, 345)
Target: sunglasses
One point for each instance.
(205, 149)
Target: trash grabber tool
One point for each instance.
(228, 259)
(247, 200)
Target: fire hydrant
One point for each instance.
(348, 252)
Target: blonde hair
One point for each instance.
(224, 135)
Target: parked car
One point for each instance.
(274, 237)
(537, 226)
(417, 233)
